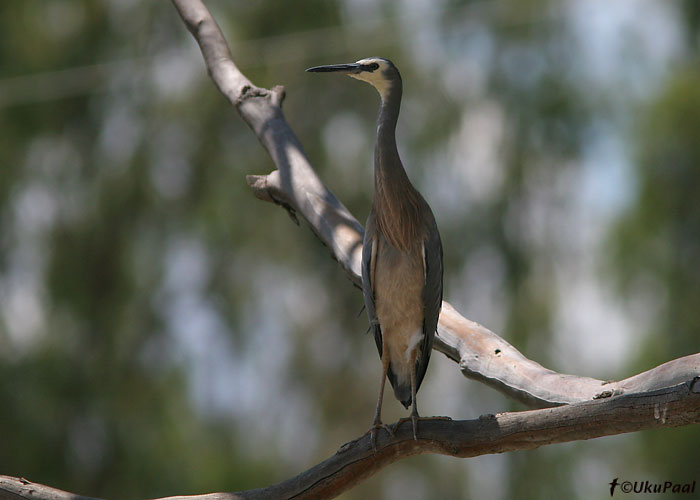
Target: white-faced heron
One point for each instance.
(401, 253)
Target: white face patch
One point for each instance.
(375, 78)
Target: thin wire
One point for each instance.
(53, 85)
(272, 50)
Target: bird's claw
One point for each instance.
(413, 419)
(373, 431)
(438, 417)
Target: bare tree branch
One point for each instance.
(482, 355)
(294, 184)
(356, 461)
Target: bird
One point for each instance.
(402, 269)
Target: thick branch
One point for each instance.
(482, 355)
(356, 461)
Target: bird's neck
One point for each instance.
(396, 202)
(386, 154)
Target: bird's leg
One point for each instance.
(414, 411)
(377, 423)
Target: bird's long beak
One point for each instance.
(344, 68)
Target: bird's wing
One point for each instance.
(369, 253)
(432, 295)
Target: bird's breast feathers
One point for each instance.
(398, 287)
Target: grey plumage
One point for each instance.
(402, 252)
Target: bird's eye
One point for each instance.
(370, 67)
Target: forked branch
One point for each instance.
(356, 461)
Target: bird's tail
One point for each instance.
(402, 389)
(403, 394)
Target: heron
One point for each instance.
(401, 253)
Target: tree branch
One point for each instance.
(356, 461)
(294, 184)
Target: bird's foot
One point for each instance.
(438, 417)
(373, 431)
(414, 418)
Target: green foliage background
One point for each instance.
(162, 332)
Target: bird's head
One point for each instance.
(377, 71)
